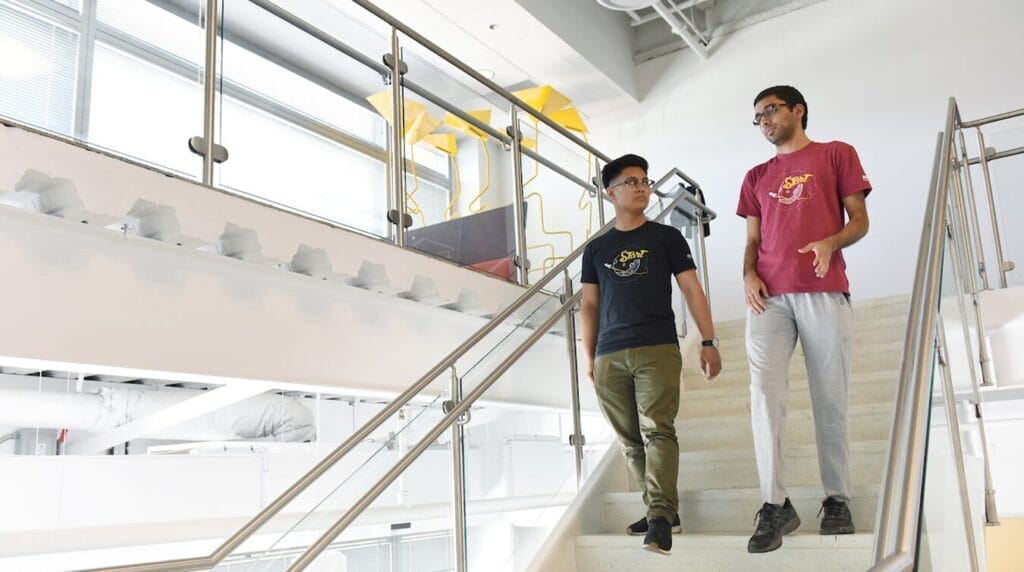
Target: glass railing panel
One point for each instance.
(942, 543)
(520, 465)
(1007, 176)
(297, 123)
(417, 506)
(148, 63)
(561, 214)
(314, 510)
(465, 216)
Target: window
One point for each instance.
(37, 70)
(291, 140)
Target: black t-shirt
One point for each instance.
(634, 270)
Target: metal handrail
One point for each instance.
(332, 458)
(899, 504)
(899, 509)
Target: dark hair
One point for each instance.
(786, 93)
(616, 167)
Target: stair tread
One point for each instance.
(711, 494)
(799, 539)
(856, 447)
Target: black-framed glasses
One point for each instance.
(634, 184)
(769, 110)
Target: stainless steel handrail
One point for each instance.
(325, 464)
(898, 521)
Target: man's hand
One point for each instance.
(822, 250)
(590, 371)
(710, 362)
(755, 291)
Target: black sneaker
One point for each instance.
(659, 536)
(639, 528)
(773, 521)
(837, 519)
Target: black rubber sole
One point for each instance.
(787, 528)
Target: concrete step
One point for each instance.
(867, 423)
(738, 354)
(741, 375)
(893, 318)
(876, 387)
(725, 553)
(875, 330)
(732, 511)
(737, 469)
(734, 359)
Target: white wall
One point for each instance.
(876, 74)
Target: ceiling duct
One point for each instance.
(677, 22)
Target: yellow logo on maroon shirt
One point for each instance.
(793, 188)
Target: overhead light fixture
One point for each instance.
(625, 5)
(487, 73)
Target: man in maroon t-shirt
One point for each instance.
(802, 206)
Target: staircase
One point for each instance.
(718, 486)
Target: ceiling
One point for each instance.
(588, 52)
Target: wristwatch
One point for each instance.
(712, 343)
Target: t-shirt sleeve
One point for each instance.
(588, 275)
(850, 173)
(748, 205)
(680, 259)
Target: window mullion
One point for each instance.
(86, 50)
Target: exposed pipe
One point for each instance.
(97, 410)
(682, 30)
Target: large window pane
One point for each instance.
(279, 162)
(144, 111)
(37, 70)
(157, 27)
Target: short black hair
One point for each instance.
(615, 168)
(786, 93)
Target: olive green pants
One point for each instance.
(638, 389)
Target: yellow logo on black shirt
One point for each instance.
(629, 263)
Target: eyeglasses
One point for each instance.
(634, 184)
(769, 110)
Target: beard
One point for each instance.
(781, 134)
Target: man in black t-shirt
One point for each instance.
(630, 344)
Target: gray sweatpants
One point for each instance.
(824, 324)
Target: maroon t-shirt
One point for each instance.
(798, 197)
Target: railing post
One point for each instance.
(703, 250)
(971, 278)
(577, 440)
(599, 184)
(458, 477)
(982, 268)
(953, 424)
(210, 91)
(522, 260)
(991, 514)
(397, 216)
(1004, 266)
